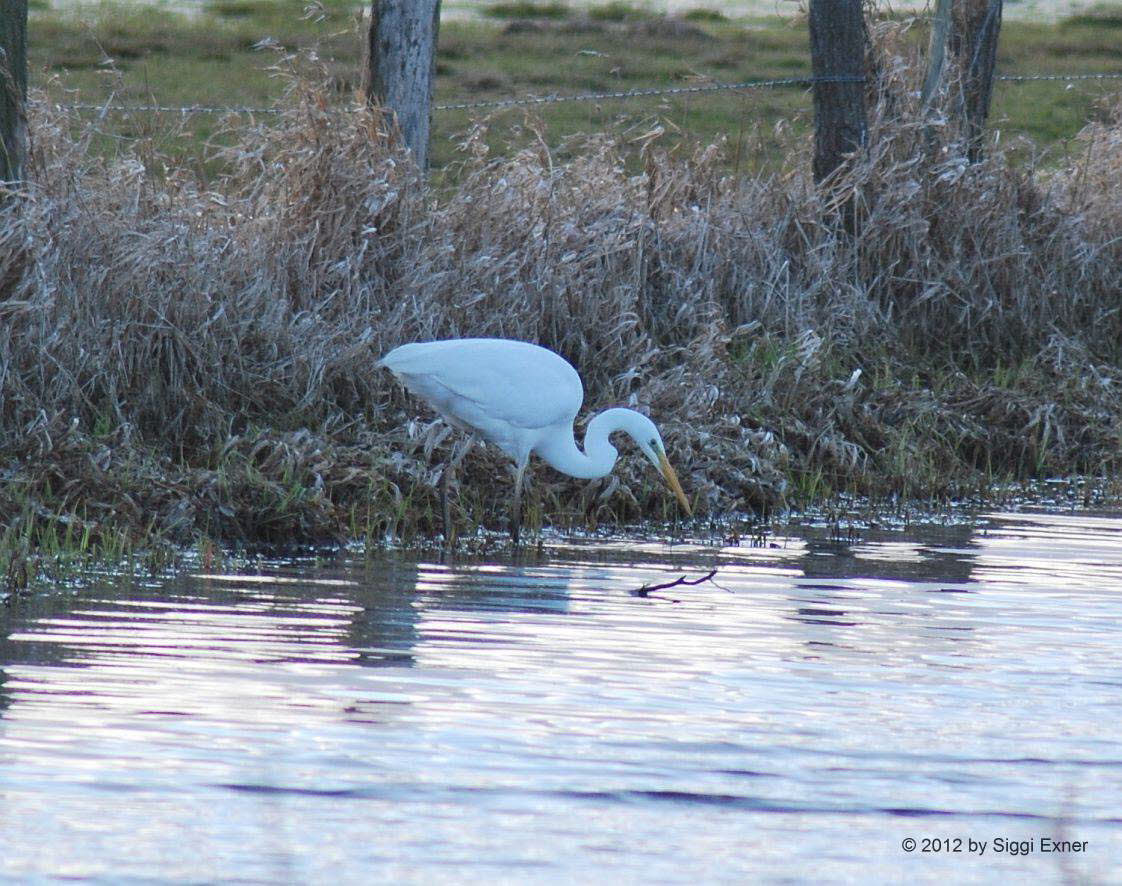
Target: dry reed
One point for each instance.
(183, 359)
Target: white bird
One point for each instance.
(523, 398)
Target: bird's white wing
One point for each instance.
(480, 382)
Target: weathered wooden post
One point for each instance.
(977, 24)
(401, 66)
(937, 52)
(13, 89)
(838, 42)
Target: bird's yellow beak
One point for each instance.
(672, 480)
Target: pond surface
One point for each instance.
(796, 719)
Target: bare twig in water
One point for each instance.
(647, 590)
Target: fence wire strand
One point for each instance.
(529, 100)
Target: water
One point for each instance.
(401, 721)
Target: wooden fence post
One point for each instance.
(838, 42)
(936, 53)
(977, 24)
(13, 89)
(401, 66)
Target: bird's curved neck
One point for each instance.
(599, 454)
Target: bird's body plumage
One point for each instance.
(511, 393)
(523, 398)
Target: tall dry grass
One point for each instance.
(187, 358)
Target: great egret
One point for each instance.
(523, 398)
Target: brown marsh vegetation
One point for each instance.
(182, 360)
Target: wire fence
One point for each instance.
(529, 100)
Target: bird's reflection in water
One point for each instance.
(194, 646)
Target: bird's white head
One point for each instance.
(643, 431)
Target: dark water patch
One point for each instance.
(952, 813)
(356, 793)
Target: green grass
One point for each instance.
(523, 9)
(619, 12)
(39, 547)
(228, 54)
(705, 15)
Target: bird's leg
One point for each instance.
(446, 503)
(458, 453)
(516, 504)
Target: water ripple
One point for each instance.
(412, 721)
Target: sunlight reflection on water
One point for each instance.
(409, 721)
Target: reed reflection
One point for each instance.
(863, 595)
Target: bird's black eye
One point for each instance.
(654, 444)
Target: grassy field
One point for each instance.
(232, 53)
